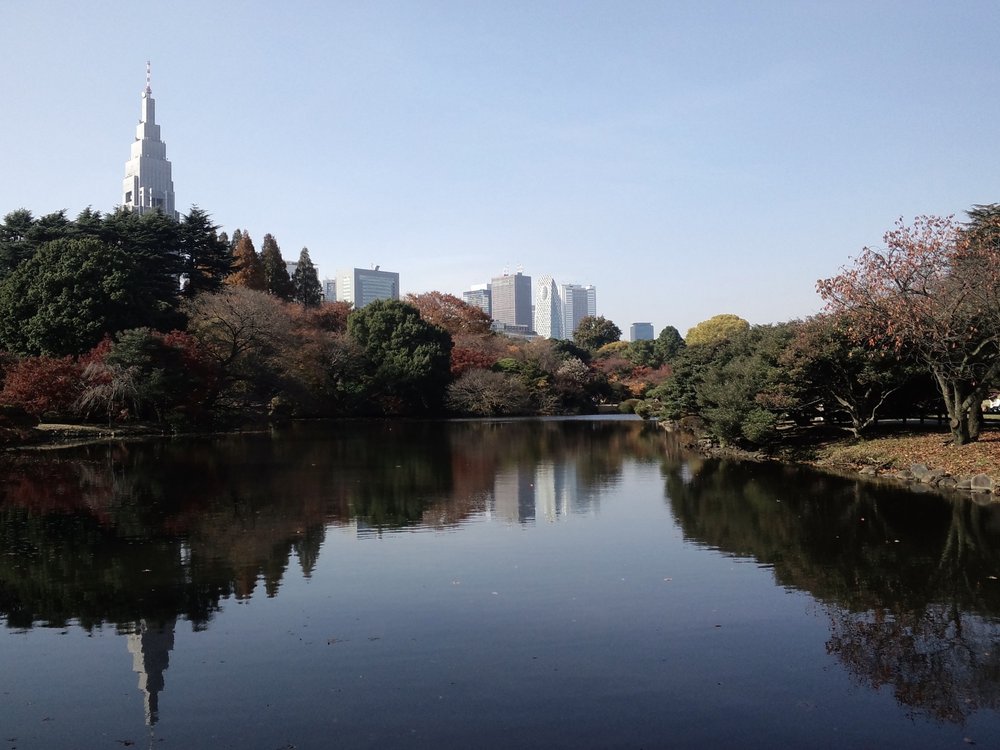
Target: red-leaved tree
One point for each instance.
(933, 290)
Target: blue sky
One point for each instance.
(687, 158)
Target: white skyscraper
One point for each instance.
(148, 185)
(548, 309)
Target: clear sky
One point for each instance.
(686, 158)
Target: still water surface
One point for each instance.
(508, 584)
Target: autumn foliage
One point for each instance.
(934, 290)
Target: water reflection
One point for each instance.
(137, 536)
(145, 532)
(909, 580)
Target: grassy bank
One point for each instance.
(897, 448)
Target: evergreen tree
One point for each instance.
(15, 240)
(237, 236)
(407, 360)
(276, 275)
(668, 344)
(153, 241)
(248, 271)
(70, 294)
(308, 290)
(207, 260)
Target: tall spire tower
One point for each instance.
(148, 185)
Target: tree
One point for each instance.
(447, 311)
(835, 375)
(745, 392)
(407, 359)
(668, 344)
(642, 353)
(716, 328)
(207, 257)
(71, 293)
(16, 243)
(934, 291)
(594, 332)
(308, 290)
(484, 393)
(145, 374)
(243, 332)
(248, 271)
(276, 278)
(42, 384)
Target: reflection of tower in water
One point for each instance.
(150, 647)
(514, 494)
(550, 490)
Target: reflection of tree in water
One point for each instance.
(152, 530)
(909, 579)
(937, 660)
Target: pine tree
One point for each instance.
(248, 270)
(207, 258)
(308, 290)
(276, 275)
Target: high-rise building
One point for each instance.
(478, 295)
(578, 302)
(641, 332)
(511, 300)
(362, 286)
(148, 185)
(548, 309)
(330, 290)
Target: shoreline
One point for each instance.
(918, 457)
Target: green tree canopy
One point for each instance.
(668, 344)
(276, 277)
(593, 332)
(305, 282)
(71, 293)
(407, 359)
(207, 258)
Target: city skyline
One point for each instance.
(692, 160)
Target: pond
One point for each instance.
(577, 583)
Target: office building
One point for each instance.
(148, 185)
(641, 332)
(478, 295)
(578, 302)
(511, 300)
(361, 286)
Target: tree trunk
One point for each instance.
(975, 420)
(956, 404)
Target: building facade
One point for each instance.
(511, 301)
(148, 184)
(548, 309)
(479, 295)
(578, 302)
(362, 286)
(640, 332)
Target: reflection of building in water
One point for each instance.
(150, 648)
(557, 487)
(549, 491)
(514, 494)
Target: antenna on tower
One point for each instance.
(149, 76)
